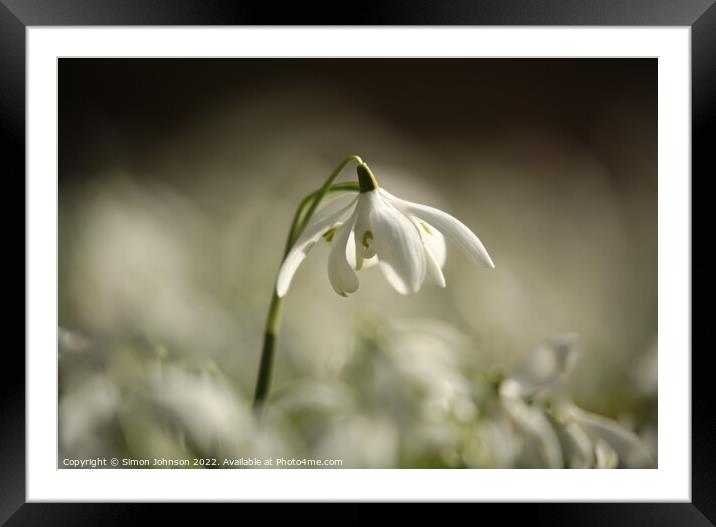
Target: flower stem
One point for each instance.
(303, 215)
(325, 188)
(263, 381)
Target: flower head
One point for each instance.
(406, 239)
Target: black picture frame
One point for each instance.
(17, 15)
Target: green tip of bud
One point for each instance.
(366, 179)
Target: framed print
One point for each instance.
(438, 255)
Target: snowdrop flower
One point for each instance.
(405, 239)
(564, 433)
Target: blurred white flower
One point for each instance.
(626, 445)
(542, 370)
(578, 448)
(605, 456)
(362, 441)
(404, 238)
(83, 415)
(205, 408)
(564, 434)
(540, 445)
(429, 357)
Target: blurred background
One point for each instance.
(179, 179)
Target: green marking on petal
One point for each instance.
(329, 234)
(425, 226)
(367, 238)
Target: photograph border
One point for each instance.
(17, 15)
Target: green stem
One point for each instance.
(303, 215)
(325, 188)
(263, 381)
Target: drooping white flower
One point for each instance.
(406, 239)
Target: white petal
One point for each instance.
(397, 243)
(332, 203)
(433, 269)
(451, 227)
(625, 443)
(340, 272)
(435, 250)
(435, 241)
(370, 262)
(605, 455)
(577, 447)
(363, 239)
(304, 243)
(351, 254)
(393, 278)
(540, 439)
